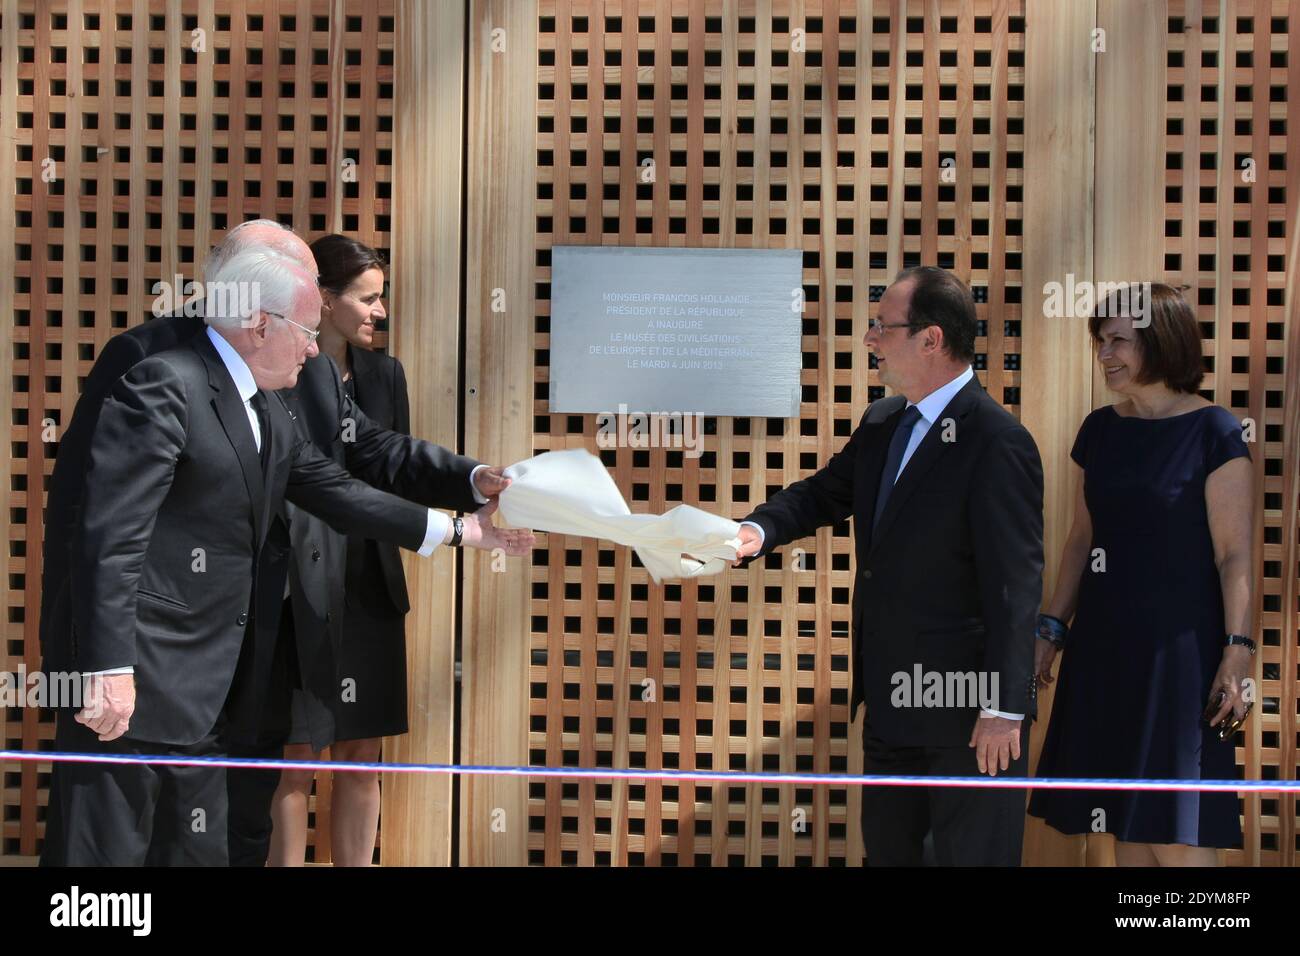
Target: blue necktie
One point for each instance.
(897, 445)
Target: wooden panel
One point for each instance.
(497, 392)
(161, 139)
(1287, 532)
(808, 124)
(1231, 79)
(1129, 177)
(814, 130)
(1060, 88)
(427, 172)
(12, 475)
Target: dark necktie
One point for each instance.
(897, 445)
(258, 401)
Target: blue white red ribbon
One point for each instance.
(770, 778)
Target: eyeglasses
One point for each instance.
(312, 334)
(879, 327)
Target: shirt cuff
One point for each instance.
(128, 669)
(999, 713)
(474, 488)
(762, 535)
(435, 532)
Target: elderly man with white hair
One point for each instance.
(118, 356)
(187, 463)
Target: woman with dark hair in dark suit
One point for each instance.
(371, 700)
(1156, 574)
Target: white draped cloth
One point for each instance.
(570, 492)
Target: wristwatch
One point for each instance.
(1241, 639)
(457, 531)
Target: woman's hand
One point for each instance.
(481, 533)
(1233, 678)
(1044, 656)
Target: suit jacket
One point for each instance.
(951, 579)
(175, 511)
(314, 552)
(375, 578)
(67, 482)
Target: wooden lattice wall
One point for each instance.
(160, 139)
(1232, 191)
(818, 125)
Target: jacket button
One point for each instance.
(867, 574)
(315, 554)
(243, 618)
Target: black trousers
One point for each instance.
(969, 827)
(250, 791)
(133, 814)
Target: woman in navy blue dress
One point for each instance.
(1156, 574)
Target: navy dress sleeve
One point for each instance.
(1223, 439)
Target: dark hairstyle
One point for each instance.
(940, 298)
(340, 260)
(1170, 342)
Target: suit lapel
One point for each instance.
(234, 421)
(926, 456)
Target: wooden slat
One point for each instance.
(793, 641)
(425, 275)
(929, 12)
(8, 256)
(1289, 618)
(268, 107)
(301, 74)
(72, 238)
(898, 13)
(628, 178)
(1129, 183)
(996, 378)
(766, 41)
(863, 278)
(1060, 88)
(686, 707)
(1258, 315)
(498, 398)
(558, 544)
(37, 334)
(335, 154)
(203, 162)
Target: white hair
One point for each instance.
(276, 235)
(258, 279)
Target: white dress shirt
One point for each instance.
(931, 408)
(243, 378)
